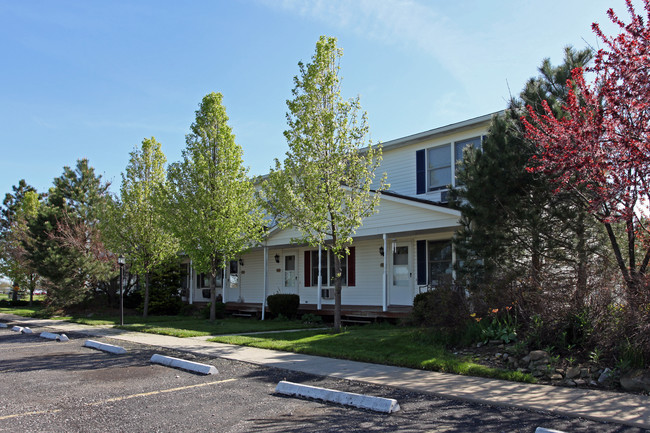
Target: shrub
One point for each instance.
(444, 308)
(164, 293)
(310, 318)
(19, 303)
(284, 304)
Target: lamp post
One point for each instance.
(121, 261)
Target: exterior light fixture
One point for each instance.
(277, 258)
(381, 251)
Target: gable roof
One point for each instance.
(397, 215)
(443, 130)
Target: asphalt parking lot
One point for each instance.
(50, 386)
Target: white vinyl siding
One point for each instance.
(399, 163)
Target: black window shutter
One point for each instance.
(422, 262)
(352, 280)
(420, 172)
(307, 268)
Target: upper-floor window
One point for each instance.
(436, 167)
(439, 167)
(460, 146)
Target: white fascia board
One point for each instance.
(418, 204)
(443, 130)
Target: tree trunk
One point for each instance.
(213, 292)
(32, 287)
(337, 293)
(583, 260)
(145, 310)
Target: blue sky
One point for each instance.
(92, 79)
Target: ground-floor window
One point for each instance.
(327, 268)
(203, 280)
(440, 262)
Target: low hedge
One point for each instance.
(283, 304)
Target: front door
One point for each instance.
(400, 277)
(290, 274)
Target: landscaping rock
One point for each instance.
(636, 381)
(570, 382)
(572, 372)
(537, 355)
(555, 376)
(605, 376)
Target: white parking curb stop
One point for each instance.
(196, 367)
(52, 336)
(105, 347)
(49, 335)
(377, 404)
(17, 329)
(3, 325)
(546, 430)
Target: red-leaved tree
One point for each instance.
(600, 149)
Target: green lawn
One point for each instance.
(189, 327)
(380, 344)
(178, 326)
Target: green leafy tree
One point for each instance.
(513, 225)
(65, 244)
(17, 209)
(134, 224)
(210, 202)
(323, 189)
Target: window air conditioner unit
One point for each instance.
(444, 197)
(327, 293)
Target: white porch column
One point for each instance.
(192, 282)
(384, 294)
(266, 279)
(320, 278)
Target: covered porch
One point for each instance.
(350, 312)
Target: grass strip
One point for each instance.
(388, 345)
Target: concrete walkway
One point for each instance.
(629, 409)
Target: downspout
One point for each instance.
(384, 294)
(266, 279)
(319, 295)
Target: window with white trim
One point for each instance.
(459, 149)
(439, 167)
(440, 260)
(327, 268)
